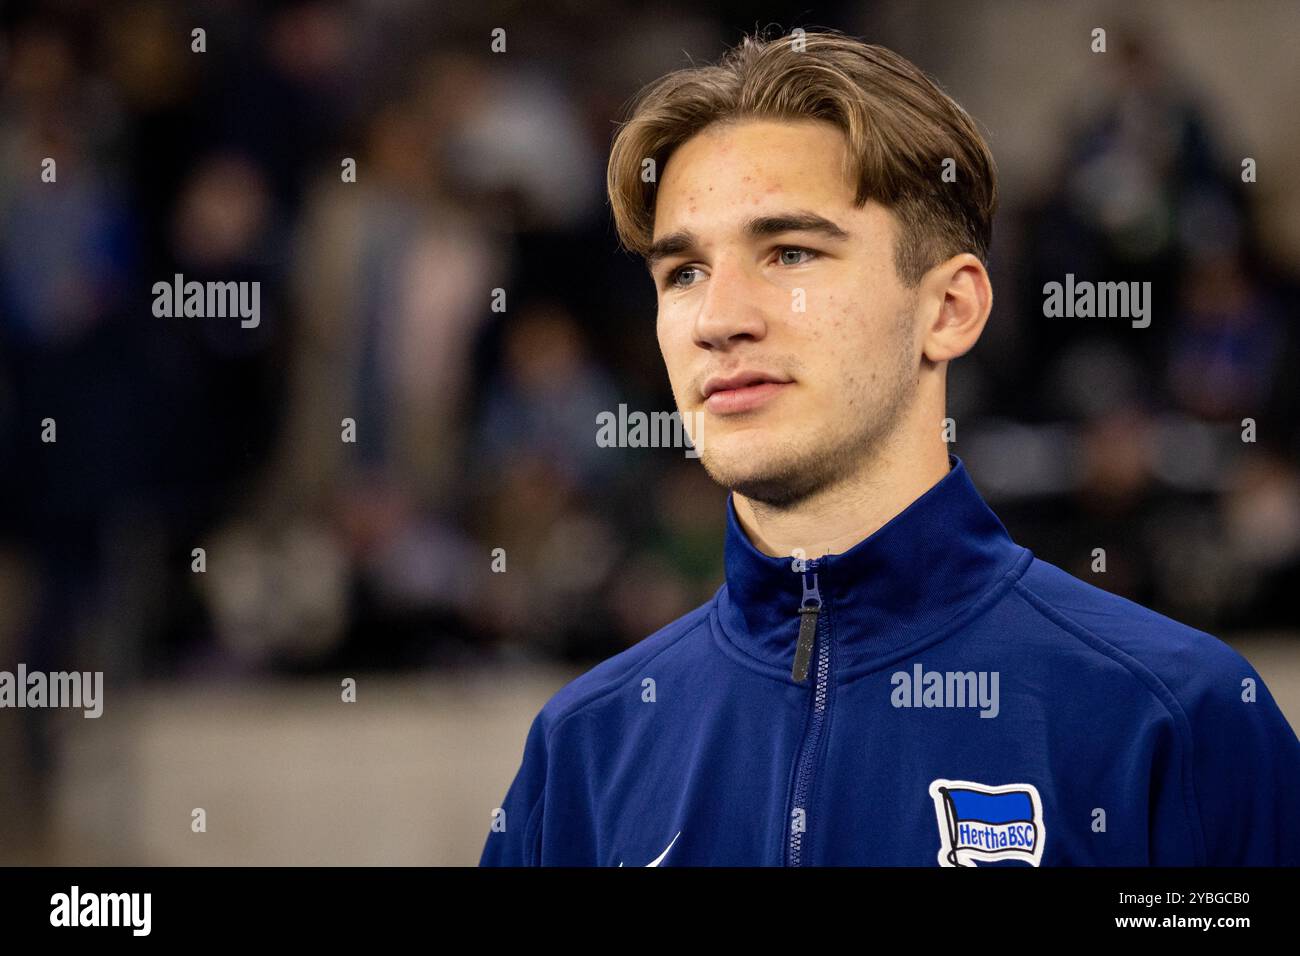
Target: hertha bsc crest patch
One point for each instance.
(979, 822)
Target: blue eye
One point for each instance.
(670, 280)
(807, 252)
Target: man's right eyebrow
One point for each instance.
(670, 245)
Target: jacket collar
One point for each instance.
(908, 580)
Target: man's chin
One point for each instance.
(753, 477)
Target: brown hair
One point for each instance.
(899, 124)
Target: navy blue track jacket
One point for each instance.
(936, 695)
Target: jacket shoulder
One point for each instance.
(1238, 756)
(550, 759)
(1178, 655)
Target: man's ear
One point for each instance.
(960, 298)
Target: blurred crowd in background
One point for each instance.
(476, 428)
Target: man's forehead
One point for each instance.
(705, 190)
(757, 155)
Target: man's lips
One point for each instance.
(741, 393)
(719, 383)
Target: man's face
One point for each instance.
(823, 316)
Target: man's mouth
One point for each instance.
(742, 392)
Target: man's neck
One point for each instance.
(836, 519)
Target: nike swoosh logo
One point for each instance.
(660, 858)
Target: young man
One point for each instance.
(885, 678)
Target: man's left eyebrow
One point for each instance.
(801, 221)
(756, 228)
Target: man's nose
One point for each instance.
(732, 306)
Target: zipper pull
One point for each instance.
(808, 608)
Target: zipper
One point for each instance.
(814, 635)
(809, 610)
